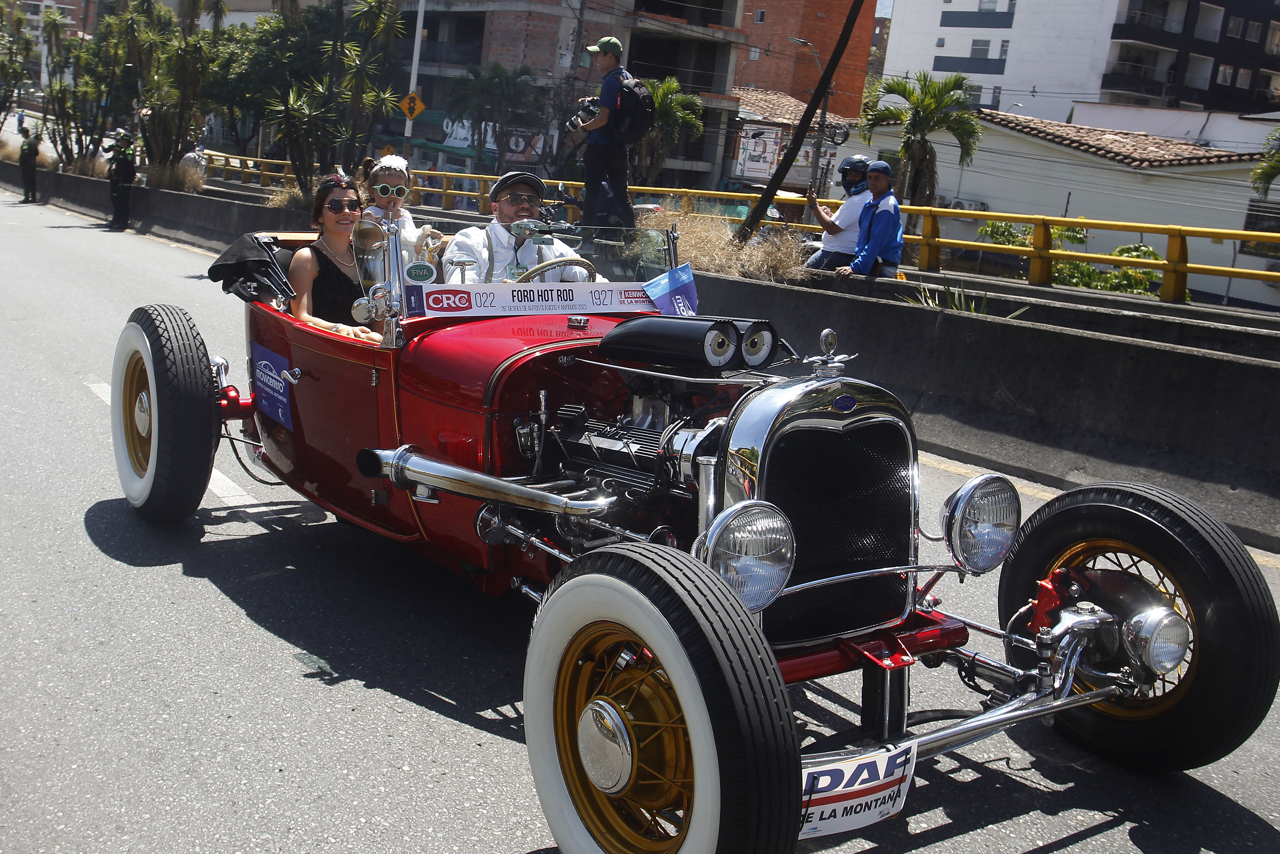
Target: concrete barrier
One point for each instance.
(1073, 398)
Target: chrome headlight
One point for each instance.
(752, 547)
(1158, 637)
(980, 520)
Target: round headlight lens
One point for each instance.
(1158, 637)
(980, 521)
(752, 547)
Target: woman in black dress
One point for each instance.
(324, 273)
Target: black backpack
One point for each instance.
(634, 118)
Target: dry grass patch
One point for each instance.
(290, 199)
(708, 245)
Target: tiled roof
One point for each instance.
(1131, 148)
(778, 106)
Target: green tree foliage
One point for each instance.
(675, 111)
(923, 105)
(505, 98)
(306, 122)
(1268, 170)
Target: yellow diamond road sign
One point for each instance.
(412, 105)
(387, 150)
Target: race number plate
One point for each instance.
(853, 793)
(486, 300)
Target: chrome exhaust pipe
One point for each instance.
(406, 468)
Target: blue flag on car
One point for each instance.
(674, 292)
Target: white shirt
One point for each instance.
(507, 262)
(404, 224)
(847, 218)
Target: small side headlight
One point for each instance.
(752, 547)
(980, 520)
(1158, 637)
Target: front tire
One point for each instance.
(648, 637)
(164, 417)
(1164, 545)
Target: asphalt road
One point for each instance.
(267, 679)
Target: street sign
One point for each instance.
(412, 105)
(387, 150)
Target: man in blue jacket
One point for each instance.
(879, 228)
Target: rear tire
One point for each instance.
(1209, 705)
(703, 700)
(164, 413)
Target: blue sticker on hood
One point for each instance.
(845, 402)
(271, 389)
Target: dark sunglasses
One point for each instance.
(387, 190)
(522, 199)
(336, 205)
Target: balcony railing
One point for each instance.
(1196, 82)
(1146, 19)
(1137, 69)
(1209, 34)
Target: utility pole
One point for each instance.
(413, 74)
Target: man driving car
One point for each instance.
(500, 255)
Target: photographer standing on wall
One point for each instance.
(606, 155)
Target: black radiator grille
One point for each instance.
(849, 498)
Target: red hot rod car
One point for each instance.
(700, 533)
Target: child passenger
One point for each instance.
(387, 182)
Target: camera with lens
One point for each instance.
(588, 109)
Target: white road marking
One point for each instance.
(227, 490)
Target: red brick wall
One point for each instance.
(789, 67)
(521, 38)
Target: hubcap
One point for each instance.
(622, 742)
(604, 746)
(142, 415)
(136, 399)
(1090, 561)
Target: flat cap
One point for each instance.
(517, 178)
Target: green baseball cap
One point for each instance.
(608, 44)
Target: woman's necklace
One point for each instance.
(334, 255)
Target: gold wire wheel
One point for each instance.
(1105, 555)
(138, 412)
(606, 664)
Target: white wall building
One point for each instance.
(1033, 166)
(1037, 57)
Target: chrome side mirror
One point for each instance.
(369, 243)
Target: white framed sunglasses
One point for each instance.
(387, 190)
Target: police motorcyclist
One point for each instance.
(840, 231)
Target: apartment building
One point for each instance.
(698, 43)
(1036, 57)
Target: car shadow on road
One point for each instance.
(957, 800)
(357, 606)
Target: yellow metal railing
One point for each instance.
(1175, 266)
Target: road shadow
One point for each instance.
(358, 606)
(956, 799)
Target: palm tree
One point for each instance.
(931, 105)
(217, 10)
(302, 117)
(495, 96)
(674, 110)
(1269, 169)
(53, 27)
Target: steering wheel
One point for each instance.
(572, 261)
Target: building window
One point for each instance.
(759, 18)
(1253, 32)
(1262, 216)
(974, 91)
(1004, 49)
(981, 49)
(1235, 26)
(986, 5)
(753, 53)
(1244, 78)
(995, 97)
(1225, 73)
(942, 42)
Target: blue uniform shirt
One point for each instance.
(879, 234)
(610, 97)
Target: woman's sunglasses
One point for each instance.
(336, 205)
(387, 190)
